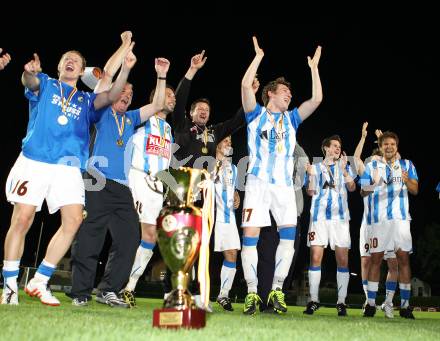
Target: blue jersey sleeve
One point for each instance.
(366, 178)
(352, 173)
(307, 177)
(295, 118)
(412, 173)
(234, 176)
(93, 114)
(250, 116)
(30, 95)
(306, 180)
(134, 116)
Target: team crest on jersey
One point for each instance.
(80, 99)
(157, 145)
(127, 120)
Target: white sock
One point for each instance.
(405, 293)
(143, 256)
(342, 279)
(365, 287)
(283, 260)
(10, 271)
(44, 271)
(372, 292)
(390, 290)
(227, 275)
(314, 280)
(249, 261)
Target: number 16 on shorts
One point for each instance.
(20, 188)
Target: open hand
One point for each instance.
(364, 130)
(258, 50)
(313, 62)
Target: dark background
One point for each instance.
(377, 66)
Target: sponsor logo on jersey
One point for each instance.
(156, 145)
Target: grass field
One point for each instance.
(33, 321)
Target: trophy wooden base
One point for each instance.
(173, 318)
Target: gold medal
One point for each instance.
(205, 141)
(62, 119)
(119, 141)
(279, 147)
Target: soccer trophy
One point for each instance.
(180, 231)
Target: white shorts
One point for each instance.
(364, 246)
(30, 182)
(333, 232)
(260, 197)
(147, 202)
(226, 236)
(390, 235)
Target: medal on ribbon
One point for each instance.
(119, 141)
(62, 119)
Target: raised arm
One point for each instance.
(311, 187)
(370, 182)
(348, 180)
(114, 63)
(162, 66)
(378, 134)
(182, 91)
(235, 123)
(29, 77)
(301, 163)
(248, 98)
(107, 97)
(197, 62)
(309, 106)
(359, 165)
(411, 184)
(4, 60)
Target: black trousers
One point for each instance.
(267, 247)
(110, 209)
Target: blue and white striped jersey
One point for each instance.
(390, 198)
(271, 141)
(152, 146)
(330, 199)
(225, 184)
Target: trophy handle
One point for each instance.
(195, 180)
